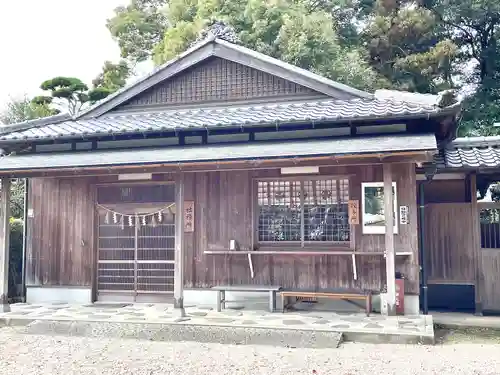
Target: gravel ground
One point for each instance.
(52, 355)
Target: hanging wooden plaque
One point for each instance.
(353, 210)
(188, 216)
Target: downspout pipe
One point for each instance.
(422, 252)
(25, 234)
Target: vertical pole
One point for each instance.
(476, 230)
(423, 255)
(302, 219)
(25, 237)
(389, 240)
(4, 243)
(179, 244)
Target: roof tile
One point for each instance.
(234, 116)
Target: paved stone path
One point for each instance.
(205, 315)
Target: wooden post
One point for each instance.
(476, 231)
(389, 240)
(179, 243)
(4, 243)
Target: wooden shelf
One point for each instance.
(297, 252)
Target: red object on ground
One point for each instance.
(400, 296)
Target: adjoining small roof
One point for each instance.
(220, 117)
(470, 153)
(220, 152)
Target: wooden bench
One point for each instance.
(332, 294)
(222, 289)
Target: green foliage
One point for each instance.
(416, 45)
(19, 110)
(474, 26)
(74, 94)
(138, 28)
(293, 31)
(72, 91)
(406, 46)
(113, 76)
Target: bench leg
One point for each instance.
(272, 300)
(283, 303)
(368, 305)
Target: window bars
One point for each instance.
(303, 211)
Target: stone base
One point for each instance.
(412, 304)
(35, 295)
(4, 308)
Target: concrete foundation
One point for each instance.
(58, 294)
(412, 304)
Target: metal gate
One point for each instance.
(136, 243)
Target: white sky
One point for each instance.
(41, 39)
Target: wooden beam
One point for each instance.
(389, 240)
(179, 243)
(476, 236)
(4, 243)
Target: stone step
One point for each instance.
(215, 332)
(180, 332)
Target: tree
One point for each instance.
(19, 110)
(285, 29)
(112, 78)
(69, 90)
(474, 26)
(138, 27)
(407, 46)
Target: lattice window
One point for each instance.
(303, 211)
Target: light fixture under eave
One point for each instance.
(135, 176)
(300, 170)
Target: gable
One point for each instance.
(218, 80)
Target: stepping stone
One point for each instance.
(208, 308)
(135, 318)
(377, 318)
(341, 326)
(232, 313)
(249, 322)
(135, 314)
(373, 325)
(236, 307)
(403, 322)
(411, 329)
(321, 321)
(220, 320)
(269, 317)
(353, 319)
(178, 320)
(291, 322)
(99, 316)
(198, 313)
(166, 316)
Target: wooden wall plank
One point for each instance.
(226, 197)
(61, 250)
(490, 265)
(449, 247)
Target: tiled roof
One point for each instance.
(218, 117)
(473, 152)
(221, 152)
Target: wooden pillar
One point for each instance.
(4, 243)
(179, 243)
(389, 241)
(476, 237)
